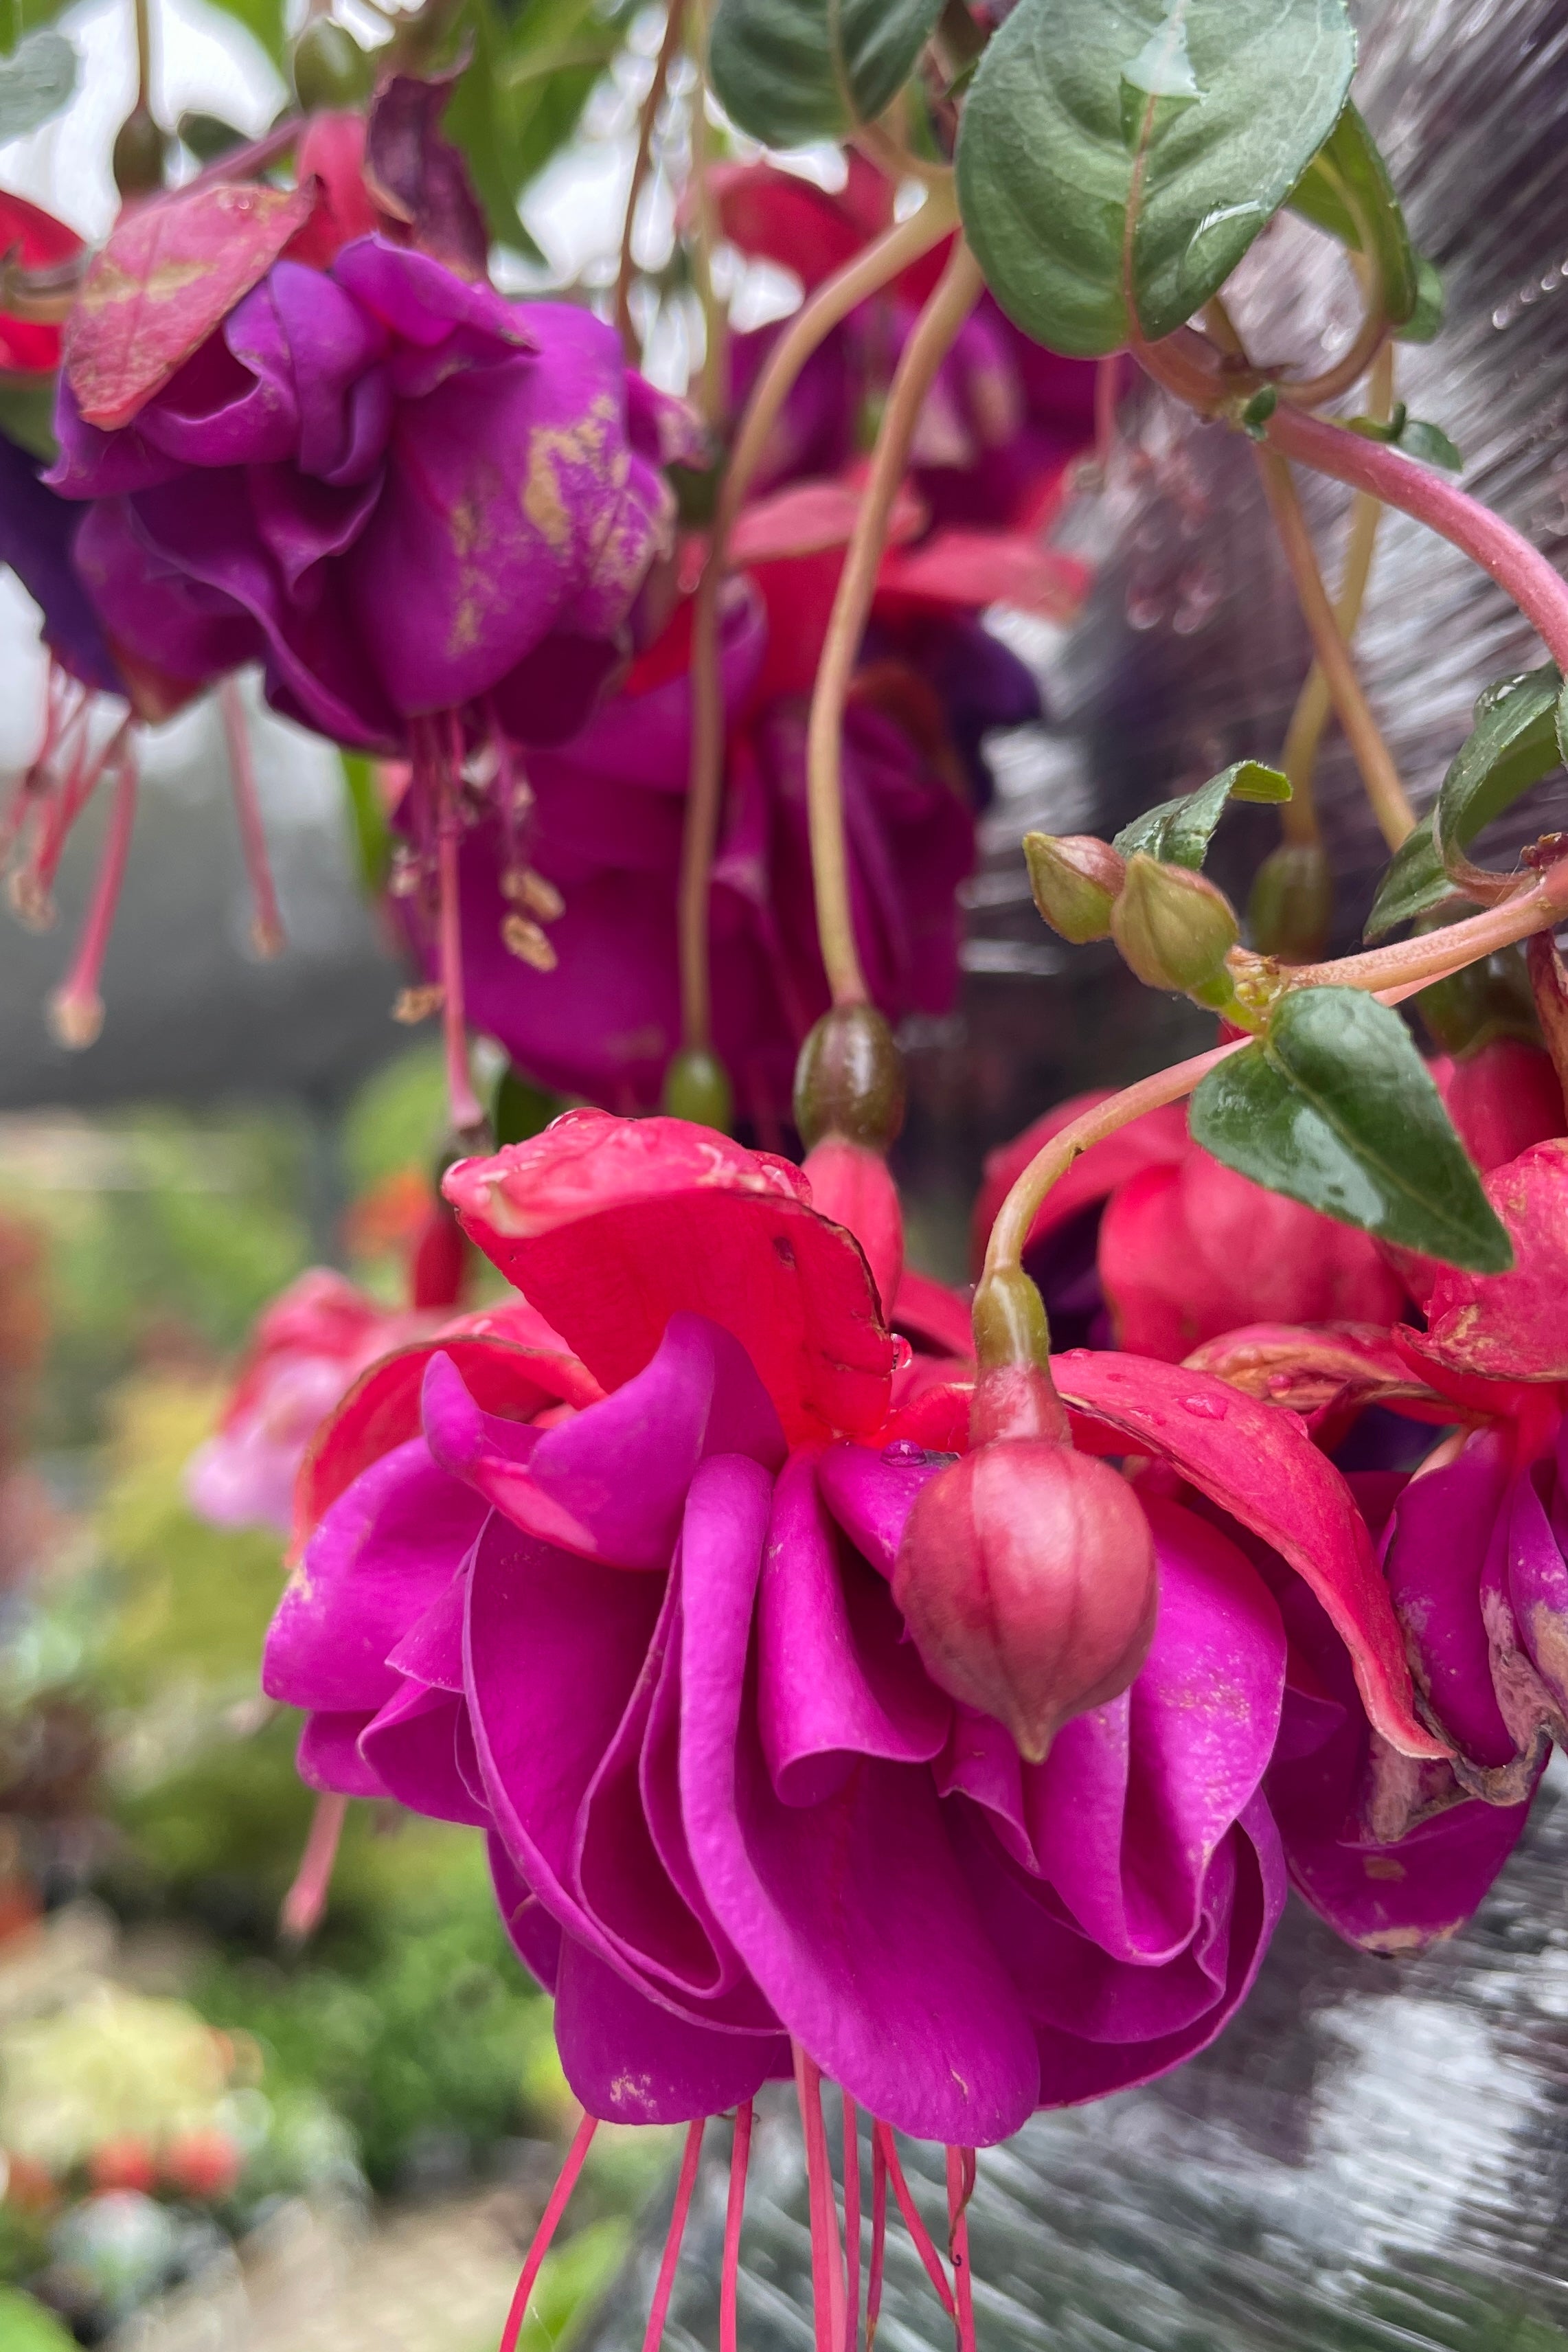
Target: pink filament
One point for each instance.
(913, 2224)
(60, 805)
(266, 923)
(852, 2223)
(739, 2160)
(306, 1898)
(549, 2218)
(827, 2264)
(960, 2188)
(878, 2237)
(461, 1098)
(76, 1007)
(667, 2268)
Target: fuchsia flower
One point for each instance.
(653, 1650)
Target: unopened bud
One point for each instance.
(849, 1079)
(329, 66)
(1292, 905)
(1027, 1577)
(140, 152)
(1076, 881)
(697, 1086)
(1172, 928)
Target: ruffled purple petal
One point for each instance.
(872, 1494)
(535, 1937)
(411, 1747)
(328, 1758)
(630, 2061)
(1435, 1552)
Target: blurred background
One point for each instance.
(213, 2141)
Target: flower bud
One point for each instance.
(141, 151)
(697, 1086)
(1292, 903)
(1172, 928)
(1076, 881)
(849, 1079)
(1027, 1578)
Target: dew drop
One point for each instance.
(1206, 1408)
(903, 1353)
(903, 1452)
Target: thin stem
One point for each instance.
(306, 1898)
(875, 268)
(659, 2311)
(548, 2221)
(463, 1102)
(76, 1009)
(957, 292)
(852, 2223)
(143, 55)
(715, 319)
(266, 922)
(1390, 805)
(827, 2265)
(1414, 963)
(1371, 338)
(735, 2213)
(878, 2237)
(912, 2222)
(669, 49)
(1010, 1233)
(1303, 736)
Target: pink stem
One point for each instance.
(958, 2244)
(76, 1009)
(852, 2223)
(739, 2160)
(461, 1098)
(878, 2237)
(306, 1898)
(913, 2224)
(827, 2267)
(266, 923)
(1385, 473)
(60, 814)
(549, 2221)
(668, 2267)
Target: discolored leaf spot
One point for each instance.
(1178, 832)
(1195, 118)
(171, 272)
(1335, 1107)
(789, 71)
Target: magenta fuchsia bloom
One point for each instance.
(649, 1645)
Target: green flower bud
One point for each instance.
(1172, 928)
(329, 66)
(141, 149)
(1292, 903)
(1076, 881)
(697, 1086)
(849, 1079)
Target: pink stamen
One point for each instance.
(461, 1098)
(878, 2237)
(548, 2220)
(960, 2188)
(306, 1898)
(266, 923)
(827, 2260)
(852, 2223)
(76, 1009)
(913, 2224)
(667, 2268)
(739, 2163)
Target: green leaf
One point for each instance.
(208, 136)
(521, 98)
(35, 83)
(27, 415)
(789, 71)
(264, 20)
(1427, 319)
(1347, 189)
(1514, 743)
(367, 822)
(1178, 832)
(26, 2327)
(1333, 1106)
(1207, 112)
(1563, 725)
(1429, 444)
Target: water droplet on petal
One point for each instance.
(1207, 1408)
(903, 1452)
(903, 1353)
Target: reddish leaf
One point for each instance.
(1261, 1467)
(970, 569)
(811, 517)
(776, 215)
(171, 271)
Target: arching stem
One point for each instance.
(669, 49)
(715, 319)
(957, 292)
(832, 303)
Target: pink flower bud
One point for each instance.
(1027, 1578)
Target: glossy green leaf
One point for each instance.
(1199, 116)
(1514, 743)
(1333, 1106)
(1427, 444)
(1347, 189)
(1178, 832)
(792, 70)
(27, 415)
(35, 82)
(1427, 319)
(367, 822)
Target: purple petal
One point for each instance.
(1437, 1550)
(872, 1494)
(149, 606)
(344, 400)
(836, 1678)
(386, 1550)
(38, 530)
(432, 1649)
(328, 1756)
(1136, 1799)
(233, 402)
(535, 1937)
(631, 2062)
(411, 1747)
(1538, 1588)
(852, 1914)
(416, 297)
